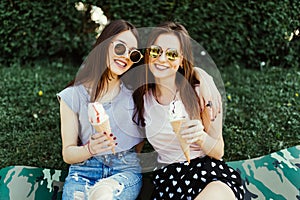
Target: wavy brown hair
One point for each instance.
(94, 72)
(185, 77)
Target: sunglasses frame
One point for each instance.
(161, 52)
(129, 52)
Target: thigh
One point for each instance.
(120, 186)
(216, 190)
(75, 189)
(81, 176)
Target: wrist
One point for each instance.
(88, 148)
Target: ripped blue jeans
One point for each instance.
(115, 177)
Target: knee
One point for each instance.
(105, 189)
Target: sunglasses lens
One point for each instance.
(154, 51)
(172, 54)
(120, 49)
(135, 56)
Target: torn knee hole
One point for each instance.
(78, 195)
(105, 189)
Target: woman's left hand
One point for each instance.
(209, 94)
(193, 131)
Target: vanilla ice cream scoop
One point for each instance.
(96, 113)
(177, 111)
(100, 120)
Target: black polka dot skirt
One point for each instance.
(186, 181)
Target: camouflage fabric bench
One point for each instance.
(274, 176)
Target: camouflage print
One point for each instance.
(29, 183)
(275, 176)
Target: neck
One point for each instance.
(165, 91)
(113, 89)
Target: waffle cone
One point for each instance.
(105, 127)
(176, 124)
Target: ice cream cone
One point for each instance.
(105, 127)
(176, 124)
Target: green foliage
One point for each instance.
(246, 33)
(41, 30)
(262, 113)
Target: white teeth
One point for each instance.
(120, 63)
(161, 67)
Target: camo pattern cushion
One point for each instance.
(22, 182)
(275, 176)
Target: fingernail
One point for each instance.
(104, 133)
(116, 143)
(114, 138)
(111, 135)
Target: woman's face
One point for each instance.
(119, 52)
(165, 56)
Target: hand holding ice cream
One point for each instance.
(100, 120)
(178, 115)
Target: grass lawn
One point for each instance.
(262, 113)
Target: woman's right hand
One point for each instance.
(99, 143)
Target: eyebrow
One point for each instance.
(126, 44)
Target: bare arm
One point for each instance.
(209, 92)
(72, 153)
(210, 141)
(209, 138)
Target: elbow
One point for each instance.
(219, 152)
(66, 158)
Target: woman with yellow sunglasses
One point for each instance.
(171, 79)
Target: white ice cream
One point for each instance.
(96, 113)
(177, 111)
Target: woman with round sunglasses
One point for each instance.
(171, 77)
(94, 172)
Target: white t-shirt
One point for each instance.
(160, 133)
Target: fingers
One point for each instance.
(100, 142)
(191, 126)
(194, 137)
(192, 131)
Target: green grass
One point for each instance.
(262, 114)
(262, 111)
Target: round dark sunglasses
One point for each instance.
(120, 49)
(156, 51)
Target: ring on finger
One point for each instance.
(209, 104)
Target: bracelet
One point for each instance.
(88, 147)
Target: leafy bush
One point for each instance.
(245, 33)
(37, 30)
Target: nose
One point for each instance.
(162, 57)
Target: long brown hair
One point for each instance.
(185, 77)
(94, 72)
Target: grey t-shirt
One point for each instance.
(119, 110)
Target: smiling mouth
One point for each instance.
(161, 67)
(120, 63)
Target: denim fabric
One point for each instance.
(122, 167)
